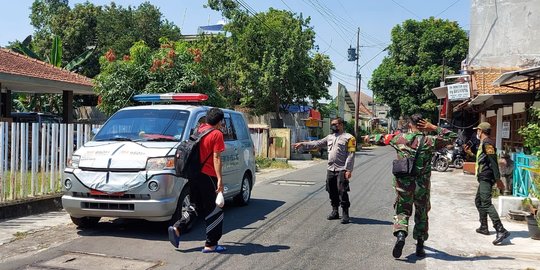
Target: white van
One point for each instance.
(127, 169)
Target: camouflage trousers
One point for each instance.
(412, 191)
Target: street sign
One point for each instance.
(458, 91)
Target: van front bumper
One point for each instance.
(140, 202)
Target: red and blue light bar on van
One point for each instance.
(172, 97)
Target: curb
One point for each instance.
(32, 206)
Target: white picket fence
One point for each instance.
(33, 156)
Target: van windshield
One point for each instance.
(144, 125)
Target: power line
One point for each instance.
(344, 74)
(345, 10)
(406, 9)
(341, 22)
(455, 2)
(350, 25)
(318, 36)
(373, 58)
(253, 12)
(344, 81)
(330, 21)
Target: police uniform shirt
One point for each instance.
(341, 149)
(487, 166)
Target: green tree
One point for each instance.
(218, 63)
(414, 64)
(174, 67)
(272, 58)
(329, 110)
(99, 27)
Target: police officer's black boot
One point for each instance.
(400, 242)
(420, 252)
(483, 226)
(334, 214)
(502, 233)
(345, 218)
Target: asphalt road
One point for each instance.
(284, 227)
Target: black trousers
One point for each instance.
(483, 200)
(203, 204)
(337, 187)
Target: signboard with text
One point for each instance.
(458, 91)
(506, 130)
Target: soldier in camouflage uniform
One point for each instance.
(487, 173)
(341, 149)
(414, 190)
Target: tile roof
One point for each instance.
(363, 110)
(364, 98)
(18, 64)
(485, 76)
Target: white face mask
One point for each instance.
(478, 135)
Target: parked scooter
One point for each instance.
(439, 161)
(456, 155)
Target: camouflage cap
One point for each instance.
(484, 126)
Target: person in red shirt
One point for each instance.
(207, 185)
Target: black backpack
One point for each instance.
(187, 158)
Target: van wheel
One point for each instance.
(85, 222)
(245, 191)
(184, 202)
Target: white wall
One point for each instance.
(504, 33)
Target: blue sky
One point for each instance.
(334, 21)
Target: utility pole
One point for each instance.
(358, 81)
(354, 55)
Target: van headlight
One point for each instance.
(74, 162)
(160, 163)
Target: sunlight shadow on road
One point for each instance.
(441, 255)
(235, 218)
(518, 234)
(244, 248)
(369, 221)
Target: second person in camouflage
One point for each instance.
(415, 190)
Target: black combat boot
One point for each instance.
(334, 214)
(345, 218)
(420, 248)
(483, 226)
(502, 233)
(400, 242)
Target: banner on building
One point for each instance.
(458, 91)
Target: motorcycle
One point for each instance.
(455, 155)
(439, 161)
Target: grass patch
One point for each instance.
(20, 235)
(41, 180)
(264, 163)
(495, 193)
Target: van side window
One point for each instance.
(228, 130)
(240, 127)
(201, 118)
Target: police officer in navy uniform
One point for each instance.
(341, 148)
(487, 173)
